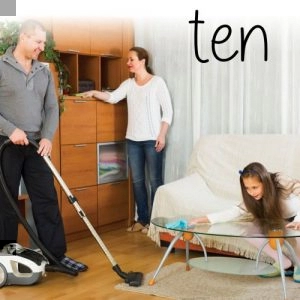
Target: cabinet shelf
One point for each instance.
(104, 71)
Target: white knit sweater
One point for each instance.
(148, 106)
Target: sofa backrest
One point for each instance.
(218, 159)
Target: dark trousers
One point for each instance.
(24, 161)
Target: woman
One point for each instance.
(149, 117)
(273, 200)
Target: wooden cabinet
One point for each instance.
(111, 121)
(113, 202)
(87, 199)
(87, 122)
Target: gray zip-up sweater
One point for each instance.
(27, 101)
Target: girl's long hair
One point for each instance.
(267, 211)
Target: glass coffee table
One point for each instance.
(230, 265)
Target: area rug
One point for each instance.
(174, 282)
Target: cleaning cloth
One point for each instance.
(178, 224)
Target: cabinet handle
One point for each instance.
(80, 189)
(115, 183)
(80, 145)
(80, 101)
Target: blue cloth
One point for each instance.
(178, 224)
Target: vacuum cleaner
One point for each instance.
(131, 278)
(21, 266)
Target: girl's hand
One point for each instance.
(293, 225)
(198, 220)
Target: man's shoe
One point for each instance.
(73, 264)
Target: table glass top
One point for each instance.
(231, 229)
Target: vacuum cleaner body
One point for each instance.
(21, 266)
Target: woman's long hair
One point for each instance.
(142, 54)
(267, 211)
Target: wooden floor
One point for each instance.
(132, 251)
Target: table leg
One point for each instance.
(260, 251)
(175, 239)
(187, 255)
(202, 245)
(279, 253)
(294, 259)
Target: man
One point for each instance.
(29, 110)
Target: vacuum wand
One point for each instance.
(132, 278)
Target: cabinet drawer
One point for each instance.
(113, 203)
(87, 199)
(111, 121)
(78, 122)
(79, 165)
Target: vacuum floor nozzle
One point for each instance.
(134, 278)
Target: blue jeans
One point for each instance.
(140, 155)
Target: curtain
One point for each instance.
(217, 97)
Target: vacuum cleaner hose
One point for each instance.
(58, 266)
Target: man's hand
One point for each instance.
(19, 137)
(45, 147)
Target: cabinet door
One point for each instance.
(113, 203)
(72, 34)
(111, 121)
(106, 36)
(87, 199)
(78, 122)
(79, 165)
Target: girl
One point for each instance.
(273, 199)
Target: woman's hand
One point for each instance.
(88, 94)
(293, 225)
(94, 94)
(160, 143)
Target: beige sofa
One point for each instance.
(212, 181)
